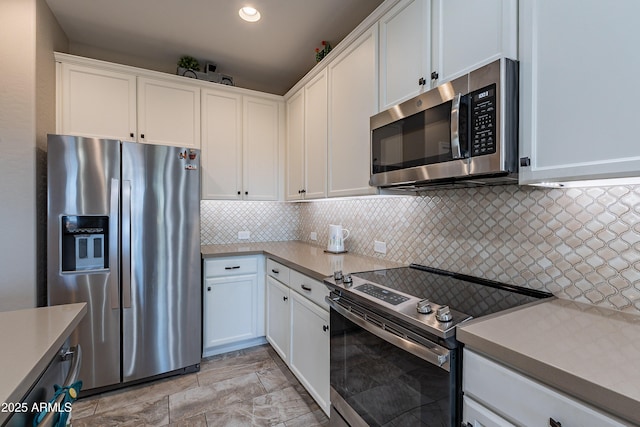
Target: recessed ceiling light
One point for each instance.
(249, 14)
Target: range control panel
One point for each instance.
(483, 121)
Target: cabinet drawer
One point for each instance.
(524, 400)
(310, 288)
(217, 267)
(278, 271)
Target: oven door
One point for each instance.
(381, 378)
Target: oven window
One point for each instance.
(386, 385)
(421, 139)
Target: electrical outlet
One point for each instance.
(380, 247)
(244, 235)
(313, 235)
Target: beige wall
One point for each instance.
(19, 131)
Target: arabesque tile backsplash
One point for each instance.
(579, 244)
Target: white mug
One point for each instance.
(337, 236)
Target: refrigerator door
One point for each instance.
(82, 257)
(161, 290)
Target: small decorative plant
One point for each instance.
(189, 63)
(321, 53)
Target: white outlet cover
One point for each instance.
(380, 247)
(244, 235)
(313, 235)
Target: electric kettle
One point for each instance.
(337, 236)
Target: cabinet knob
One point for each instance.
(246, 193)
(142, 135)
(285, 298)
(422, 81)
(434, 75)
(239, 193)
(131, 134)
(209, 288)
(325, 328)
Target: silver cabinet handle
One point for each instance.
(305, 288)
(455, 127)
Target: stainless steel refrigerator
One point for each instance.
(124, 237)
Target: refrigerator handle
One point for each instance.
(114, 265)
(126, 244)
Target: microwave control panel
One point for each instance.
(483, 121)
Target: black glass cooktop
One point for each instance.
(470, 295)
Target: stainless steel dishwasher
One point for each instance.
(63, 370)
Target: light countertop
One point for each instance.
(585, 351)
(31, 338)
(303, 257)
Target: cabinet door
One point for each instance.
(310, 348)
(576, 120)
(469, 33)
(261, 136)
(352, 101)
(405, 52)
(168, 113)
(315, 136)
(230, 307)
(97, 103)
(295, 146)
(278, 317)
(221, 145)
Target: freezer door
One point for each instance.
(161, 289)
(83, 190)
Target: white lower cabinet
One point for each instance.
(298, 327)
(233, 304)
(278, 317)
(495, 395)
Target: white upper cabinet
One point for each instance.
(578, 62)
(470, 33)
(168, 113)
(352, 101)
(96, 103)
(424, 43)
(240, 146)
(306, 169)
(221, 145)
(295, 147)
(261, 142)
(405, 52)
(315, 137)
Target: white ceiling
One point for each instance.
(270, 55)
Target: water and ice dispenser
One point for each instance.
(85, 243)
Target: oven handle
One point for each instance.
(436, 355)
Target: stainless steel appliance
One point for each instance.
(124, 237)
(462, 133)
(394, 357)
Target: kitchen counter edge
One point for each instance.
(307, 259)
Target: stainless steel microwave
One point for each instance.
(461, 133)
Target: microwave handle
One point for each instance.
(455, 127)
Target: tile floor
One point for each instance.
(251, 387)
